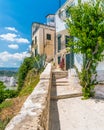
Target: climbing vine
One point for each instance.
(86, 25)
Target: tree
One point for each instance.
(86, 25)
(27, 65)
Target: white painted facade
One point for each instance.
(61, 30)
(61, 25)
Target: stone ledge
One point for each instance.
(71, 95)
(47, 72)
(34, 114)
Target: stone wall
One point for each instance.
(43, 44)
(34, 115)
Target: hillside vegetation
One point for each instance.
(11, 107)
(28, 77)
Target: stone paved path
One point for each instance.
(75, 113)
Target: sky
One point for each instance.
(16, 18)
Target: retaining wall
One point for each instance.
(34, 115)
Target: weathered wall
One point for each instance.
(44, 45)
(34, 114)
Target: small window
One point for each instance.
(35, 39)
(32, 42)
(36, 52)
(67, 13)
(59, 43)
(48, 36)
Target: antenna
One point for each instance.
(59, 3)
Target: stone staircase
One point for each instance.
(62, 87)
(60, 82)
(57, 74)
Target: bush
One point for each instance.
(29, 63)
(6, 93)
(86, 26)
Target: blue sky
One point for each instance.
(16, 18)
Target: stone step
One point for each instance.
(59, 74)
(71, 95)
(60, 81)
(60, 84)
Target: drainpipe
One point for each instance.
(55, 42)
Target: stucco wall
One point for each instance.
(100, 65)
(78, 61)
(34, 115)
(60, 24)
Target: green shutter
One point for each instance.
(59, 43)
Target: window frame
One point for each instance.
(48, 36)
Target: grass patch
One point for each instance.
(6, 104)
(4, 123)
(10, 108)
(29, 88)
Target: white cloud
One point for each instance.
(13, 38)
(8, 37)
(11, 29)
(21, 40)
(29, 48)
(6, 56)
(13, 46)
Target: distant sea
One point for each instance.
(9, 69)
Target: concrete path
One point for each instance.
(75, 113)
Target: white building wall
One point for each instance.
(78, 61)
(61, 25)
(100, 65)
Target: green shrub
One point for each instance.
(10, 93)
(6, 104)
(86, 27)
(27, 89)
(6, 93)
(28, 64)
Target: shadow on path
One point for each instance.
(54, 114)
